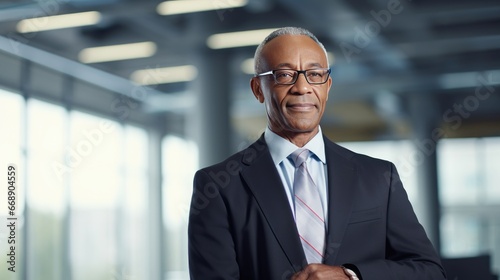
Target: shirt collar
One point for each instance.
(280, 148)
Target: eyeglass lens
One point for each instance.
(313, 76)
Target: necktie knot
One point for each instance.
(299, 156)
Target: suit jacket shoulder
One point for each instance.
(244, 157)
(360, 162)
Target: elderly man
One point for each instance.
(295, 205)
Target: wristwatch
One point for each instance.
(352, 275)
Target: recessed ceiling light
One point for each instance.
(58, 22)
(117, 52)
(238, 39)
(165, 75)
(191, 6)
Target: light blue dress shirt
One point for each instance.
(281, 148)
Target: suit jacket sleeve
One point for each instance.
(211, 247)
(409, 253)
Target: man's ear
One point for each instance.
(256, 89)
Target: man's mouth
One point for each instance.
(301, 106)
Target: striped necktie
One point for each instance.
(309, 216)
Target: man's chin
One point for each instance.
(304, 129)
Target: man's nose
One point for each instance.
(301, 86)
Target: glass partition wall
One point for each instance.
(82, 185)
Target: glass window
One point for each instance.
(94, 158)
(134, 206)
(46, 131)
(11, 118)
(469, 172)
(180, 162)
(82, 193)
(491, 167)
(46, 189)
(11, 147)
(458, 167)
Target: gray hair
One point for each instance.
(280, 32)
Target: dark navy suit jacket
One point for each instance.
(241, 225)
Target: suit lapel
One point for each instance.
(341, 192)
(265, 183)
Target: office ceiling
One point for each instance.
(396, 63)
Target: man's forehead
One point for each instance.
(286, 49)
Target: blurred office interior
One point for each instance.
(106, 140)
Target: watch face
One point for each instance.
(350, 273)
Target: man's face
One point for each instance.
(298, 108)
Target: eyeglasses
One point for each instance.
(289, 76)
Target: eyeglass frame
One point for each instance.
(271, 72)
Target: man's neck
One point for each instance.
(299, 139)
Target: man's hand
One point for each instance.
(321, 271)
